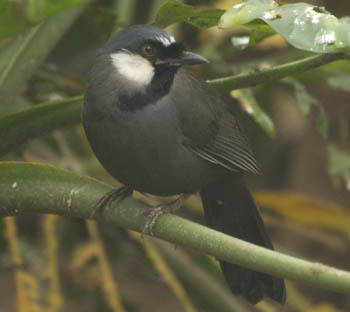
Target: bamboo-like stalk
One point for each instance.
(32, 188)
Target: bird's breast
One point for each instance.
(143, 149)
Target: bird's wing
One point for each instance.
(209, 127)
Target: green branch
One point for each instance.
(18, 128)
(275, 73)
(28, 188)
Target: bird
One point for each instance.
(159, 129)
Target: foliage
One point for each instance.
(304, 26)
(173, 11)
(42, 49)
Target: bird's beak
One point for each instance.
(188, 58)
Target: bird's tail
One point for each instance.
(230, 208)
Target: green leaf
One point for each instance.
(340, 81)
(20, 56)
(18, 128)
(305, 99)
(17, 16)
(304, 26)
(250, 105)
(255, 36)
(12, 19)
(339, 165)
(172, 12)
(322, 123)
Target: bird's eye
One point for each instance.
(148, 50)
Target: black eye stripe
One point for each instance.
(162, 51)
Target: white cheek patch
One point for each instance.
(133, 67)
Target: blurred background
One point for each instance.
(303, 189)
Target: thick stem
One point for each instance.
(278, 72)
(18, 128)
(31, 188)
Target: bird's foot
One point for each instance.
(154, 213)
(109, 198)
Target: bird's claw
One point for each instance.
(152, 215)
(109, 198)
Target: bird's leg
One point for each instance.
(154, 213)
(109, 198)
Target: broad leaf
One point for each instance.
(305, 26)
(172, 12)
(255, 36)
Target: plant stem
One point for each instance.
(31, 188)
(18, 128)
(278, 72)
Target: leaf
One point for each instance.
(255, 36)
(305, 99)
(304, 26)
(12, 19)
(322, 123)
(21, 56)
(339, 165)
(172, 12)
(249, 104)
(17, 16)
(306, 210)
(17, 128)
(340, 81)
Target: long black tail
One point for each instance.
(230, 208)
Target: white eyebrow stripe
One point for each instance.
(166, 41)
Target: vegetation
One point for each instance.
(288, 66)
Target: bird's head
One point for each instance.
(140, 52)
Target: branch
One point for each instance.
(30, 188)
(275, 73)
(18, 128)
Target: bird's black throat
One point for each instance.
(158, 88)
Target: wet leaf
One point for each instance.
(172, 12)
(250, 105)
(255, 36)
(305, 26)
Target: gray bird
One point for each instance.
(158, 129)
